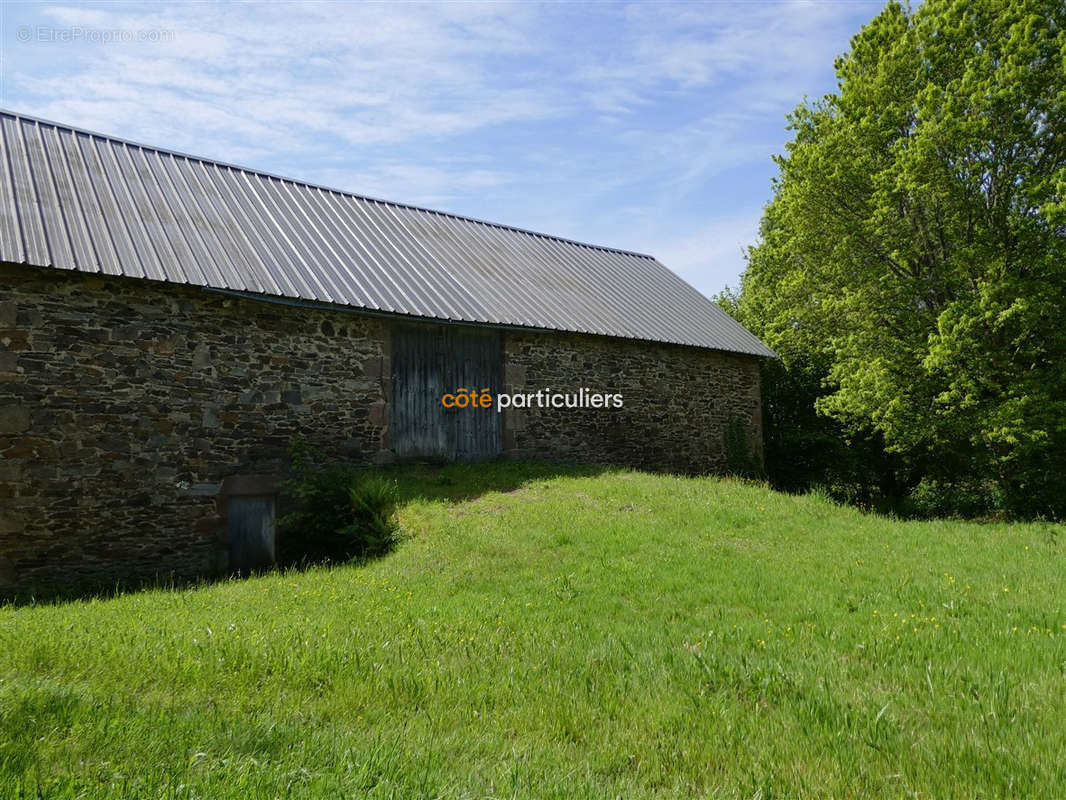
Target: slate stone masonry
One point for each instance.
(126, 403)
(123, 402)
(677, 402)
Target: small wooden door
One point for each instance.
(429, 361)
(252, 535)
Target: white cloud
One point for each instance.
(746, 48)
(712, 256)
(369, 74)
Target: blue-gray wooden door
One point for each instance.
(250, 522)
(428, 362)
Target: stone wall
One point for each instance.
(677, 401)
(125, 404)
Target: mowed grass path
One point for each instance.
(574, 634)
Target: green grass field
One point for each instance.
(568, 634)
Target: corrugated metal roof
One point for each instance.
(72, 199)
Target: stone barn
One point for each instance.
(169, 325)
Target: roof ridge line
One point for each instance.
(307, 184)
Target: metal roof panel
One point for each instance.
(74, 199)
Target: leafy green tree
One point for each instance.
(913, 258)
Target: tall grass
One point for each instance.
(567, 634)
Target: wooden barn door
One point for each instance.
(429, 361)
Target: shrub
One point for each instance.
(963, 497)
(341, 510)
(373, 502)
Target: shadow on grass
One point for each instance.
(451, 483)
(460, 482)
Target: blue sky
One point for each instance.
(645, 126)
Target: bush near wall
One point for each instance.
(342, 511)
